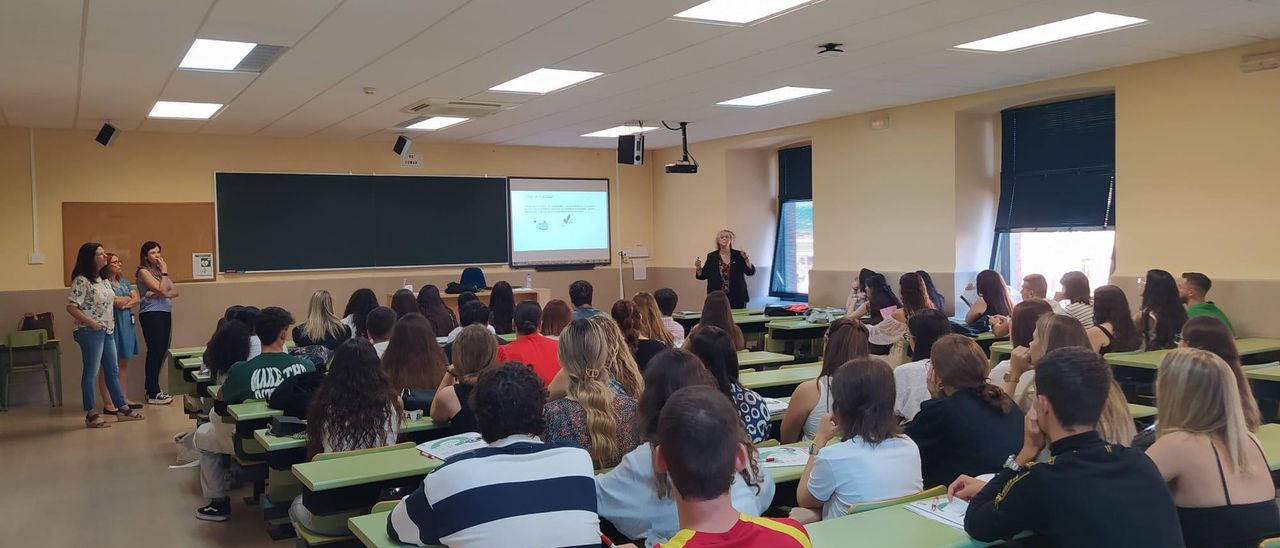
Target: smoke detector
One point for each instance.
(830, 50)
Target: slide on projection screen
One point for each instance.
(559, 221)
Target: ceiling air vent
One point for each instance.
(259, 58)
(456, 108)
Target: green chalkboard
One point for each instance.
(297, 221)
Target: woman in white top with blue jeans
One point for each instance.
(874, 460)
(90, 305)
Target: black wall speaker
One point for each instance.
(402, 146)
(107, 135)
(631, 149)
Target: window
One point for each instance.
(793, 252)
(1057, 191)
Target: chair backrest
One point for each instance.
(26, 339)
(868, 506)
(340, 454)
(384, 506)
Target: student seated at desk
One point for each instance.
(911, 379)
(874, 459)
(404, 303)
(555, 316)
(624, 374)
(1214, 466)
(378, 326)
(652, 323)
(432, 307)
(639, 503)
(356, 314)
(993, 298)
(811, 400)
(248, 315)
(642, 348)
(716, 313)
(701, 449)
(1021, 328)
(593, 414)
(1090, 493)
(1075, 290)
(354, 408)
(474, 312)
(856, 302)
(1194, 290)
(1036, 287)
(915, 297)
(667, 299)
(517, 491)
(414, 360)
(254, 379)
(530, 347)
(1161, 317)
(1113, 329)
(580, 294)
(1207, 333)
(970, 425)
(322, 327)
(229, 346)
(502, 308)
(712, 346)
(475, 350)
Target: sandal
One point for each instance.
(135, 406)
(106, 411)
(94, 420)
(125, 415)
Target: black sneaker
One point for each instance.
(160, 399)
(217, 510)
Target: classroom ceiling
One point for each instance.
(78, 63)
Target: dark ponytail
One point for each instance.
(995, 397)
(959, 363)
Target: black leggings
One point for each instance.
(156, 330)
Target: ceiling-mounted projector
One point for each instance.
(687, 163)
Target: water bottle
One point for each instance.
(528, 280)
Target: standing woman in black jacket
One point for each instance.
(726, 270)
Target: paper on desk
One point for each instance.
(444, 448)
(773, 457)
(639, 269)
(775, 405)
(941, 511)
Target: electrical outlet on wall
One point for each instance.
(35, 258)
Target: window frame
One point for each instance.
(791, 296)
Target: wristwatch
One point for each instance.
(1011, 463)
(813, 449)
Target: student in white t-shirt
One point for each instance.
(911, 379)
(873, 461)
(378, 325)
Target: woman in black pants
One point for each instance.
(156, 316)
(726, 270)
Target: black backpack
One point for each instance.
(294, 394)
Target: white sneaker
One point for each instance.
(160, 399)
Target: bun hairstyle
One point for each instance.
(527, 317)
(959, 363)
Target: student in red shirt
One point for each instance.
(700, 446)
(530, 346)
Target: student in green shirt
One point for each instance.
(1194, 287)
(253, 379)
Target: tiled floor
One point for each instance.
(63, 485)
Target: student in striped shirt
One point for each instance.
(701, 446)
(518, 491)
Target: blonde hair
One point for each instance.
(1057, 331)
(732, 237)
(619, 362)
(651, 319)
(321, 320)
(1115, 425)
(474, 350)
(583, 352)
(1197, 394)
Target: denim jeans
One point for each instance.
(97, 348)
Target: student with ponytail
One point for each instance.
(591, 415)
(530, 346)
(970, 426)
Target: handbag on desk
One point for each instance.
(43, 320)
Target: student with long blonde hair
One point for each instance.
(323, 326)
(619, 362)
(591, 415)
(1215, 468)
(651, 325)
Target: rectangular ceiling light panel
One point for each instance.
(773, 97)
(1058, 31)
(545, 80)
(619, 131)
(739, 12)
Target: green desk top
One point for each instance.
(361, 469)
(691, 315)
(280, 443)
(193, 362)
(252, 410)
(508, 337)
(1151, 360)
(1141, 411)
(1269, 437)
(989, 336)
(789, 473)
(779, 377)
(1002, 347)
(751, 359)
(185, 352)
(202, 376)
(1271, 373)
(891, 526)
(371, 529)
(214, 390)
(778, 416)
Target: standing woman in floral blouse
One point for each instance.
(126, 297)
(156, 316)
(90, 305)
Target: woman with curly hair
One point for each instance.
(354, 408)
(591, 415)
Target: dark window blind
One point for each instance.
(1058, 166)
(795, 174)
